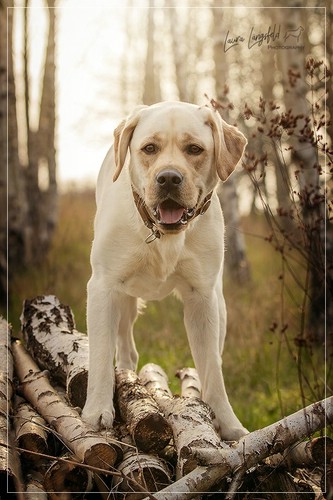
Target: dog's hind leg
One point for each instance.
(126, 353)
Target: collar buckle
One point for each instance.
(155, 234)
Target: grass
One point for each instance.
(261, 364)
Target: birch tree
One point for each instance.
(301, 123)
(32, 213)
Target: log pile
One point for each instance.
(162, 446)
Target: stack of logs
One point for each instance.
(162, 446)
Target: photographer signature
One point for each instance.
(257, 39)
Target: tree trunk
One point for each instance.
(180, 47)
(152, 90)
(235, 257)
(11, 185)
(318, 241)
(41, 171)
(32, 212)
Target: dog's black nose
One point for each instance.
(169, 178)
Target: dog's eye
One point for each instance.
(150, 149)
(194, 149)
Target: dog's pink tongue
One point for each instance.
(170, 215)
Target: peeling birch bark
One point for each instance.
(31, 431)
(54, 343)
(10, 470)
(67, 477)
(190, 383)
(191, 419)
(249, 450)
(35, 489)
(146, 424)
(148, 471)
(316, 451)
(88, 446)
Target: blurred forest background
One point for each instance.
(266, 69)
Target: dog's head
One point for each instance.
(177, 153)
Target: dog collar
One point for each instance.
(150, 222)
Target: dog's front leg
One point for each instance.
(103, 318)
(202, 322)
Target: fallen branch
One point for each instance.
(190, 419)
(86, 444)
(52, 340)
(249, 451)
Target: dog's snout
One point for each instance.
(169, 178)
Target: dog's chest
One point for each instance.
(154, 274)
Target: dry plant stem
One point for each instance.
(190, 383)
(250, 450)
(146, 423)
(190, 419)
(10, 470)
(49, 330)
(87, 445)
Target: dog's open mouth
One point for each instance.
(170, 213)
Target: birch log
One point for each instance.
(190, 383)
(67, 476)
(54, 343)
(146, 424)
(10, 471)
(141, 473)
(249, 450)
(87, 445)
(31, 431)
(191, 419)
(35, 489)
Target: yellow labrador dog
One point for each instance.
(159, 228)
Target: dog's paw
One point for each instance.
(230, 433)
(99, 418)
(233, 433)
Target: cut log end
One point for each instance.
(62, 477)
(141, 471)
(34, 443)
(152, 433)
(101, 456)
(77, 389)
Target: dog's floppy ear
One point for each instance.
(122, 138)
(229, 145)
